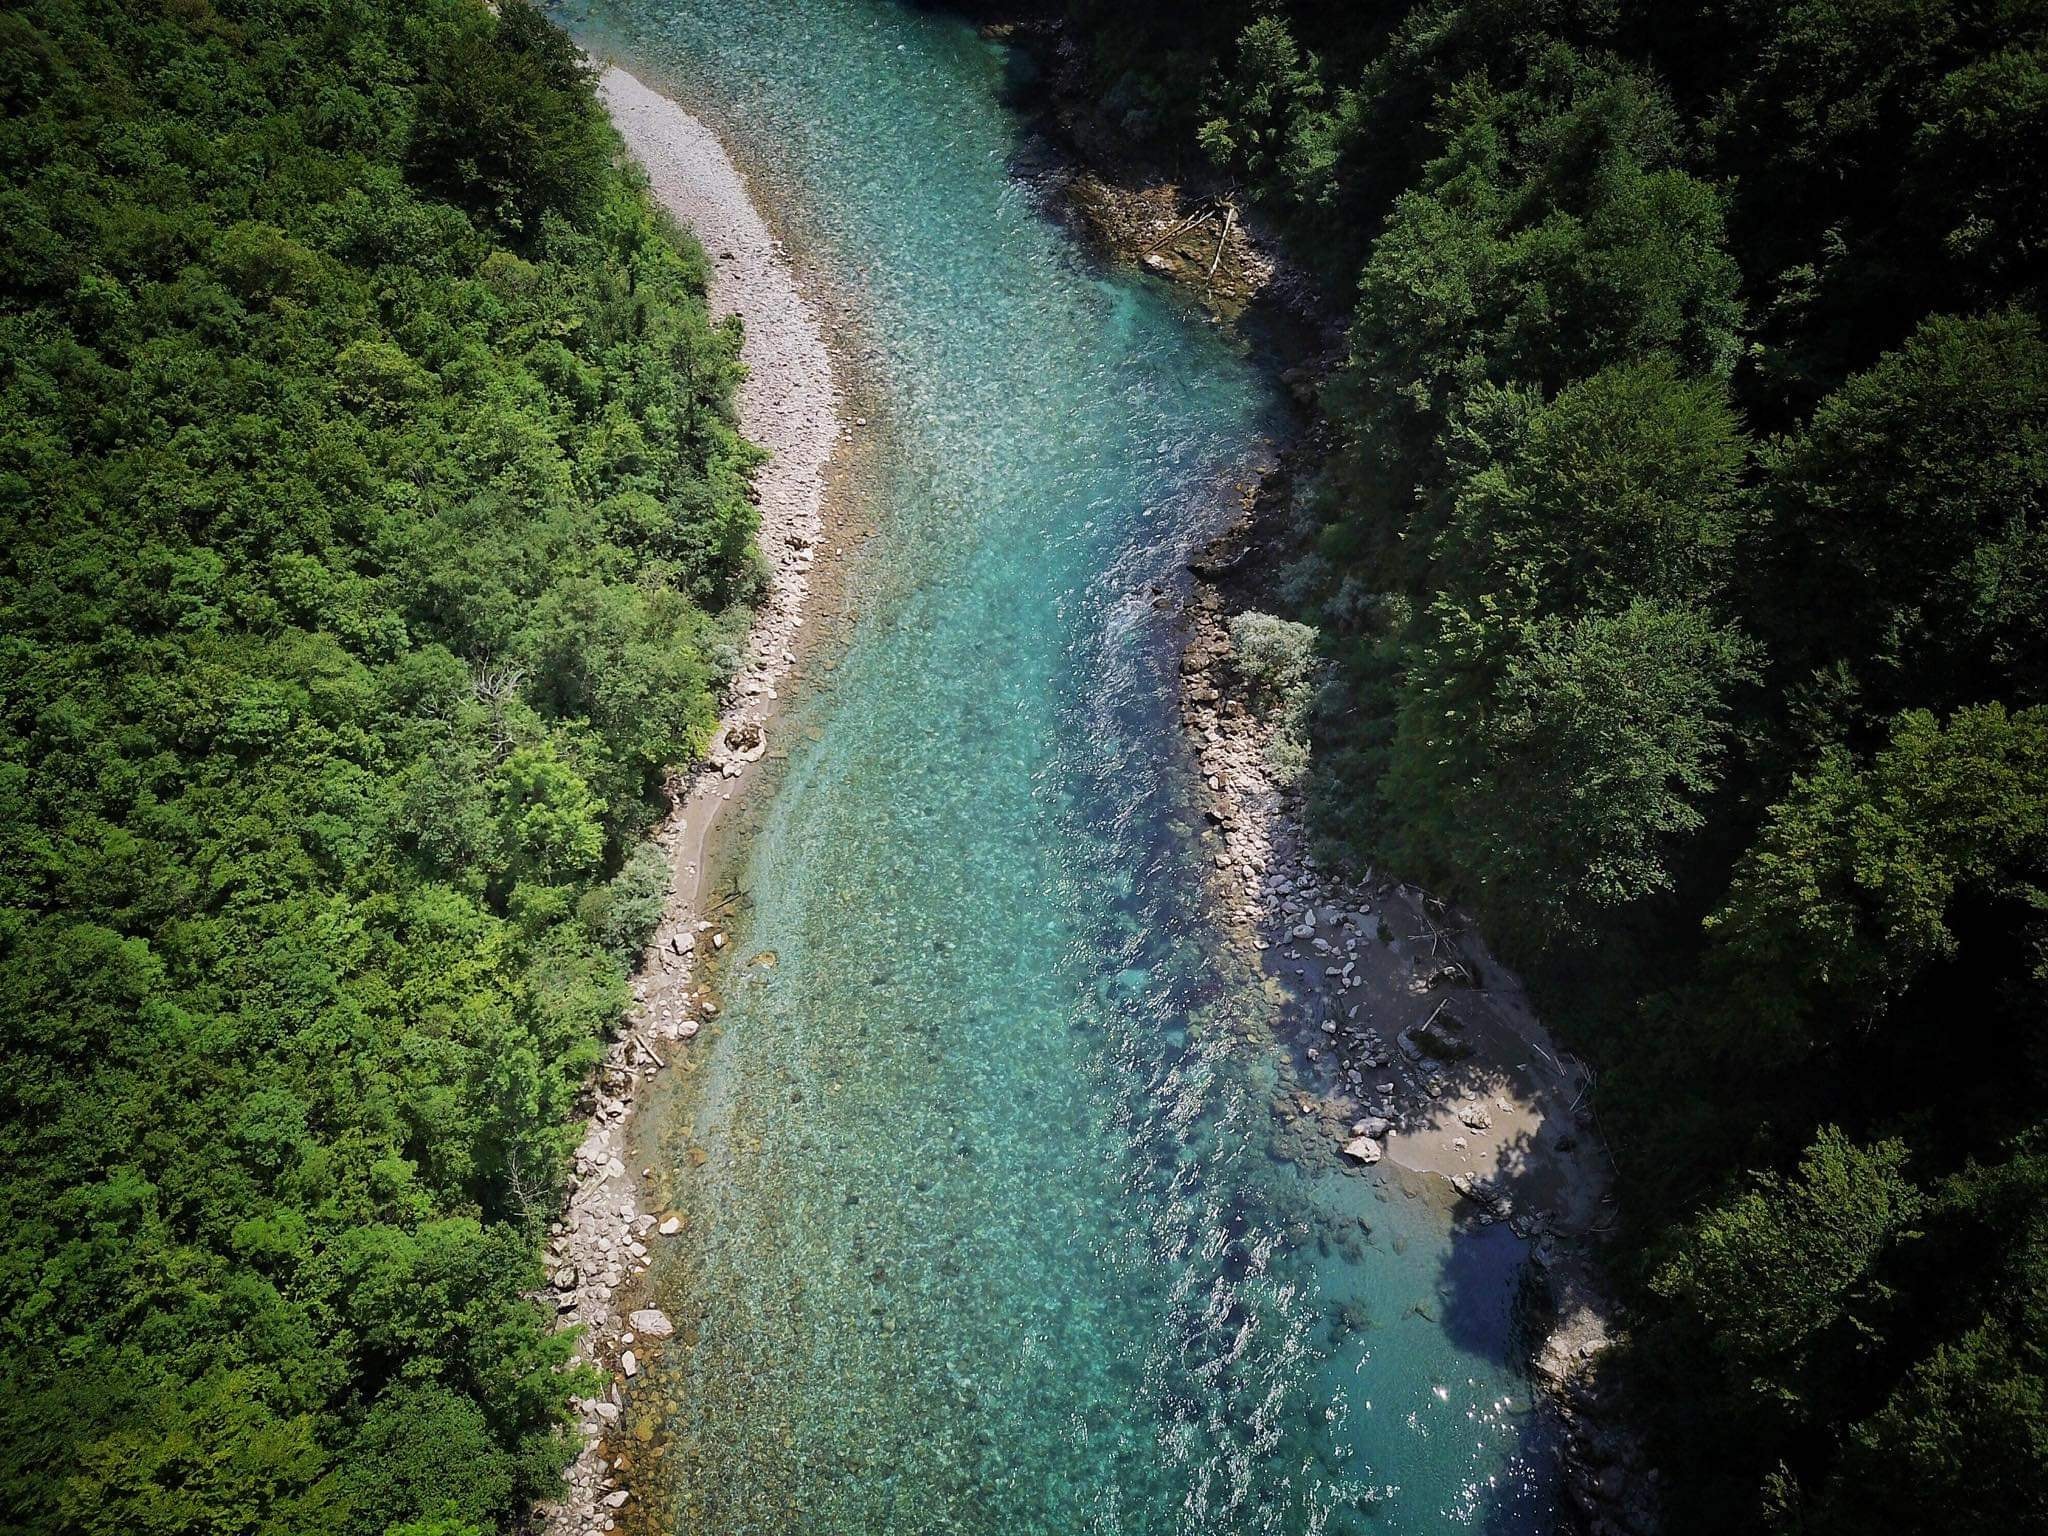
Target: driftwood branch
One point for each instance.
(1180, 226)
(1229, 218)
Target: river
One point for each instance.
(987, 1229)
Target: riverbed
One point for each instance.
(985, 1224)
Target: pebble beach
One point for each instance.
(789, 405)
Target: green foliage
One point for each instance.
(623, 914)
(377, 528)
(1553, 235)
(503, 122)
(1786, 1275)
(1554, 762)
(1884, 161)
(1962, 1440)
(1278, 658)
(1912, 515)
(1564, 711)
(1853, 887)
(1977, 162)
(1269, 121)
(1679, 569)
(1624, 485)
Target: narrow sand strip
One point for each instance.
(789, 405)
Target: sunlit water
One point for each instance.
(987, 1232)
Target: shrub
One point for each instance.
(1278, 658)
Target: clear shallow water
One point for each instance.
(987, 1231)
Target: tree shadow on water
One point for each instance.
(1485, 1291)
(1492, 1304)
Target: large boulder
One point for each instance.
(746, 741)
(1363, 1149)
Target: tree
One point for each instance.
(551, 820)
(424, 1451)
(1849, 892)
(506, 122)
(1278, 658)
(1550, 766)
(1910, 523)
(1266, 120)
(623, 914)
(1623, 486)
(1551, 237)
(298, 798)
(1961, 1438)
(1977, 166)
(1787, 1276)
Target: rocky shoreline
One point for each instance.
(1189, 228)
(1412, 1044)
(790, 405)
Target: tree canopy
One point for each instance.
(377, 531)
(1676, 559)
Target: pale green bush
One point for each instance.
(1278, 658)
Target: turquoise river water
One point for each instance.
(987, 1231)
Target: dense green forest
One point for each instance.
(377, 532)
(1681, 554)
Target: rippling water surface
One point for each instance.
(986, 1228)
